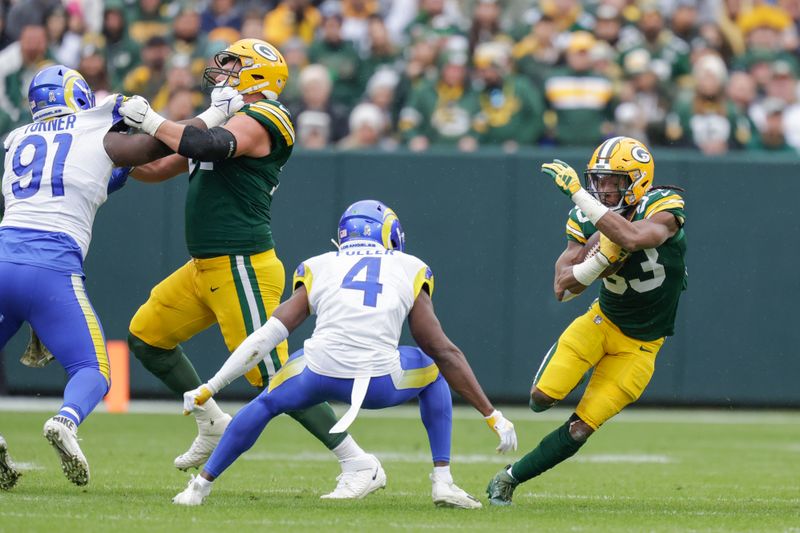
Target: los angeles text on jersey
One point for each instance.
(55, 124)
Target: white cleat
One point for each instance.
(359, 478)
(194, 493)
(448, 494)
(62, 434)
(8, 472)
(209, 432)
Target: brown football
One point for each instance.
(591, 247)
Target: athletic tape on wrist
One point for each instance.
(591, 206)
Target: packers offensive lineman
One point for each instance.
(234, 277)
(641, 227)
(59, 170)
(361, 295)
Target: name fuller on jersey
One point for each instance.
(55, 124)
(368, 251)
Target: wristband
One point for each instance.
(588, 271)
(213, 117)
(151, 122)
(591, 206)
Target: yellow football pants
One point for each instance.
(622, 365)
(238, 292)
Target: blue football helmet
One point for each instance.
(57, 91)
(372, 220)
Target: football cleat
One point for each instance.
(448, 494)
(501, 487)
(194, 493)
(62, 434)
(209, 432)
(8, 472)
(360, 478)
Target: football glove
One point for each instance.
(137, 113)
(504, 429)
(225, 101)
(195, 398)
(564, 176)
(611, 251)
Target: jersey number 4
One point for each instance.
(36, 165)
(370, 285)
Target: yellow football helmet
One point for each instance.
(263, 68)
(625, 157)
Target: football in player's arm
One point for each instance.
(643, 243)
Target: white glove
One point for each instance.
(504, 429)
(195, 398)
(225, 101)
(137, 113)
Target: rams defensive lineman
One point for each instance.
(234, 277)
(623, 331)
(57, 174)
(361, 295)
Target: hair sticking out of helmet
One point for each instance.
(620, 172)
(373, 221)
(250, 66)
(58, 90)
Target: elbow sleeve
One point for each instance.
(214, 145)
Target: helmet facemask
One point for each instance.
(605, 194)
(225, 64)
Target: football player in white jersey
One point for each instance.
(57, 174)
(361, 295)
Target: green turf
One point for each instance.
(646, 472)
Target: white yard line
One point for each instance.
(633, 414)
(476, 458)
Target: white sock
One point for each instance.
(442, 473)
(211, 411)
(348, 450)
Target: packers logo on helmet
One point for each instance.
(629, 163)
(250, 66)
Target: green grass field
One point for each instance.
(647, 470)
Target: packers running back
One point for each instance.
(642, 297)
(619, 337)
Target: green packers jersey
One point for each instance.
(228, 203)
(642, 297)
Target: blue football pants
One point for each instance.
(55, 304)
(308, 388)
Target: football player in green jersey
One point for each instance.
(643, 242)
(234, 277)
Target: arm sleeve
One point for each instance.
(251, 352)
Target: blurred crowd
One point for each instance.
(716, 75)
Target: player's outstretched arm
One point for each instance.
(253, 349)
(214, 144)
(631, 236)
(428, 333)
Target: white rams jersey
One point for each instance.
(57, 171)
(361, 295)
